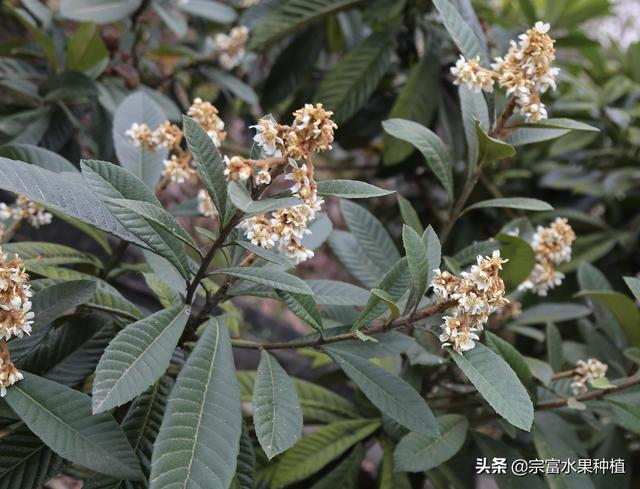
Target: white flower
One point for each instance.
(471, 74)
(205, 204)
(268, 138)
(263, 177)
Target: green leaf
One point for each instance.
(409, 215)
(166, 295)
(319, 448)
(555, 355)
(52, 302)
(434, 250)
(355, 259)
(389, 393)
(158, 216)
(552, 312)
(210, 10)
(294, 15)
(590, 278)
(293, 65)
(395, 283)
(497, 383)
(268, 255)
(529, 135)
(276, 409)
(491, 150)
(561, 123)
(38, 156)
(416, 452)
(246, 471)
(417, 101)
(85, 50)
(110, 183)
(99, 11)
(626, 415)
(389, 302)
(428, 143)
(550, 444)
(345, 474)
(43, 253)
(230, 83)
(198, 444)
(474, 108)
(417, 260)
(270, 278)
(332, 292)
(97, 235)
(634, 286)
(304, 306)
(137, 357)
(350, 83)
(241, 198)
(64, 192)
(371, 235)
(209, 165)
(26, 461)
(461, 33)
(62, 418)
(492, 448)
(106, 297)
(513, 357)
(146, 164)
(318, 403)
(351, 189)
(513, 203)
(521, 258)
(622, 307)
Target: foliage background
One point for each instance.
(63, 75)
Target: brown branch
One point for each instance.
(217, 244)
(403, 321)
(558, 403)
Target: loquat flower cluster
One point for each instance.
(230, 48)
(16, 316)
(585, 373)
(477, 292)
(23, 209)
(311, 131)
(524, 72)
(552, 246)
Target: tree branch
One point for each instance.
(400, 322)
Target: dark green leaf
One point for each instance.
(417, 452)
(497, 383)
(428, 143)
(319, 448)
(137, 357)
(276, 409)
(392, 395)
(348, 86)
(62, 418)
(351, 189)
(198, 444)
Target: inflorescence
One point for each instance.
(284, 148)
(23, 210)
(524, 72)
(478, 293)
(552, 246)
(16, 316)
(585, 373)
(311, 131)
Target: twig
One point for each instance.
(558, 403)
(400, 322)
